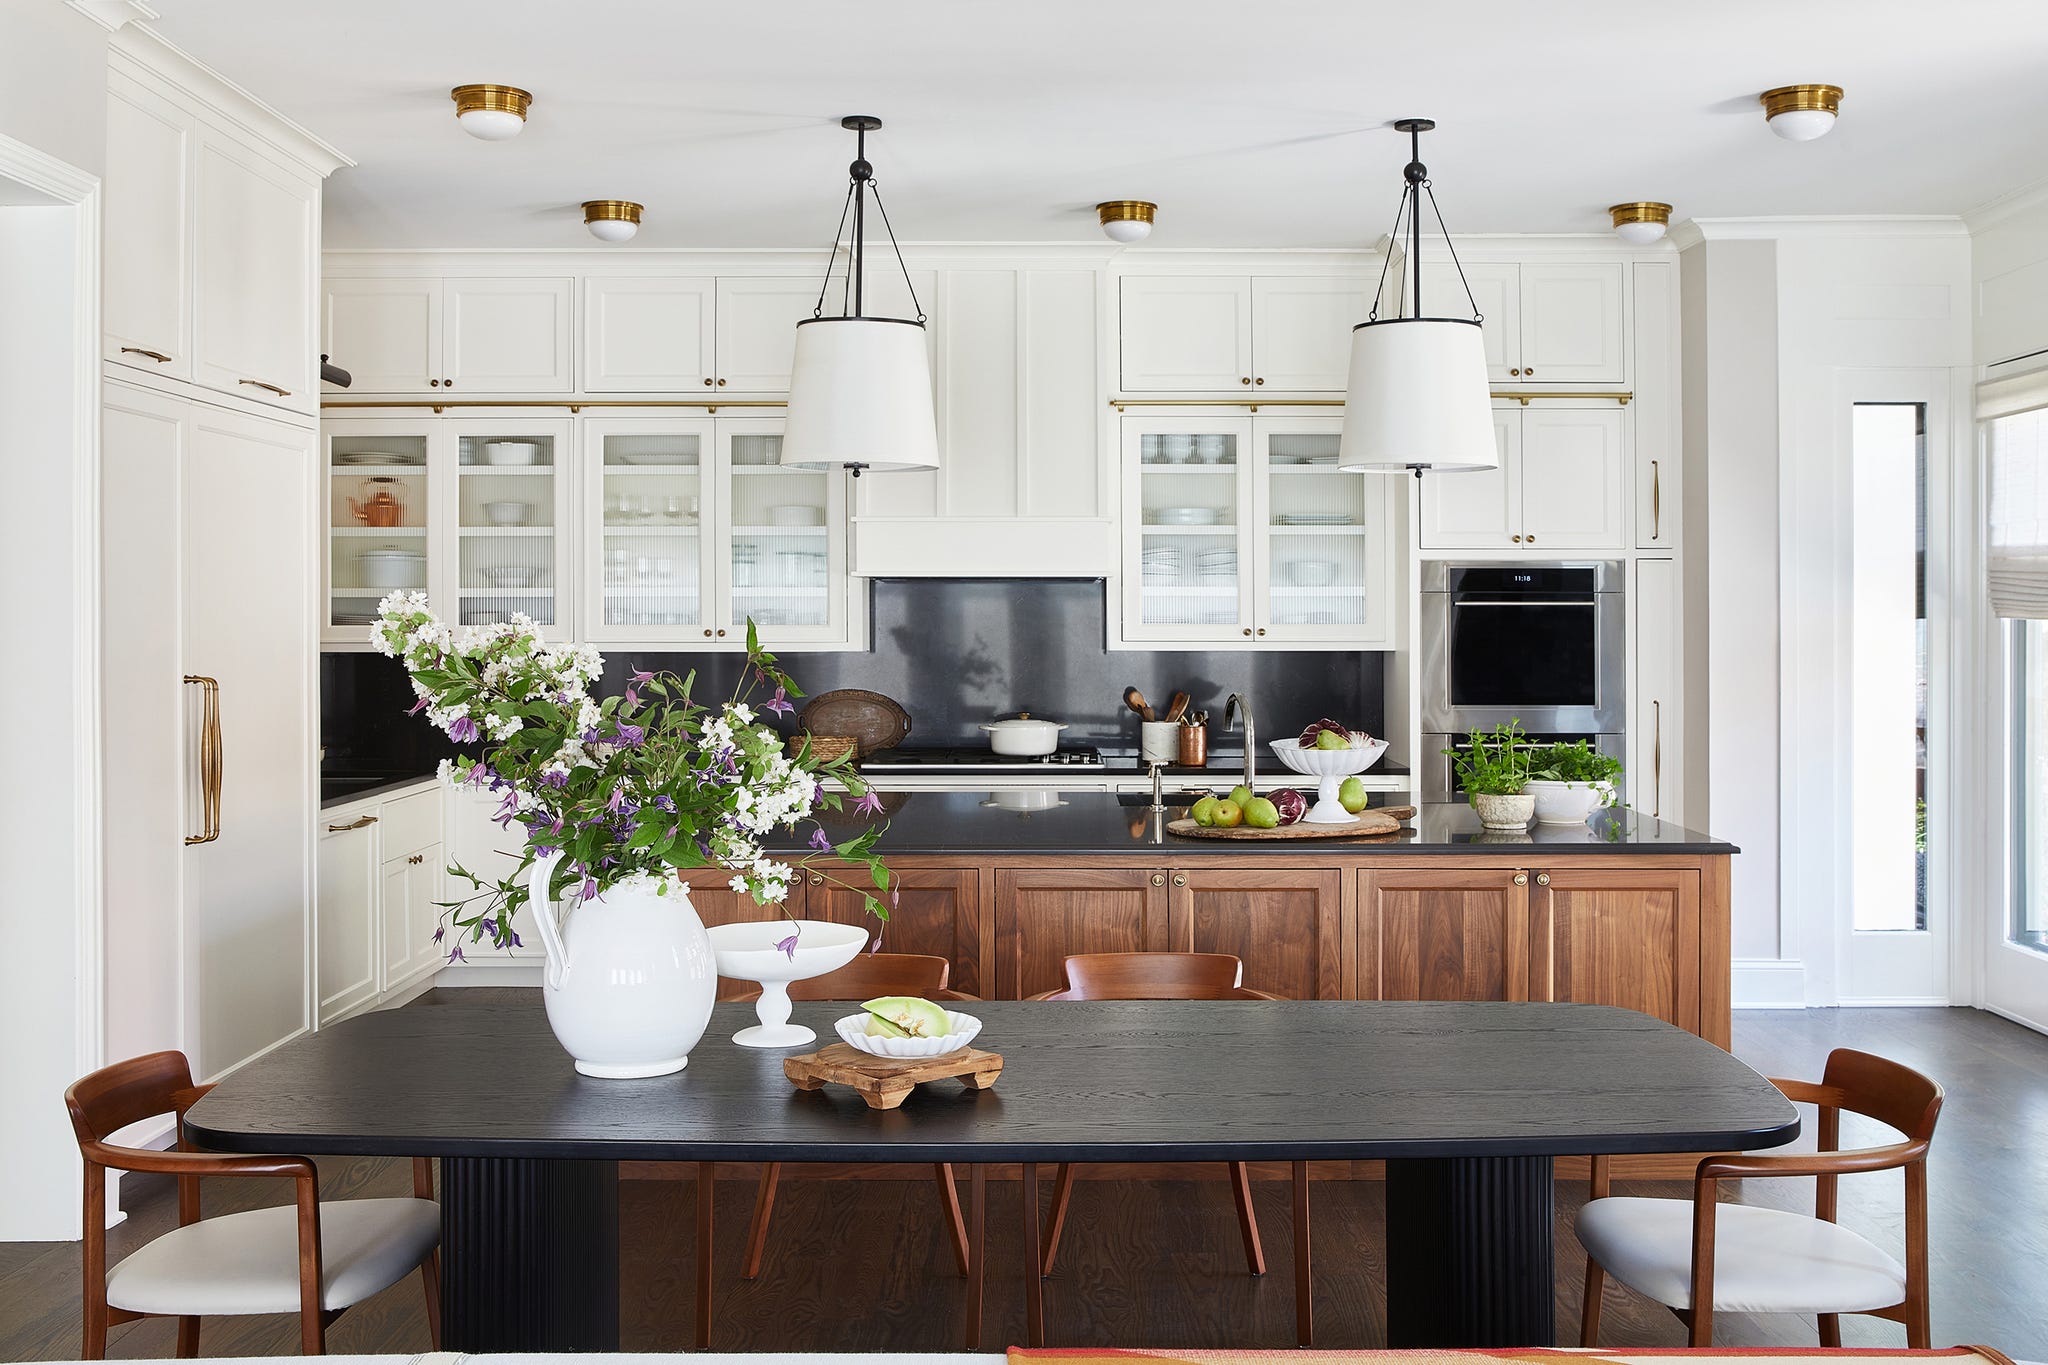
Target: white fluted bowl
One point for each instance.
(853, 1032)
(1331, 767)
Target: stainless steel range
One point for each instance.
(1078, 759)
(1541, 643)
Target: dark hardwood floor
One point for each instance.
(860, 1264)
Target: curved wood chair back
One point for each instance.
(873, 974)
(1882, 1089)
(1155, 976)
(128, 1092)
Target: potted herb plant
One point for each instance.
(1571, 781)
(1493, 768)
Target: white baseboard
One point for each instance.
(489, 974)
(1764, 983)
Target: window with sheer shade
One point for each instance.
(2017, 552)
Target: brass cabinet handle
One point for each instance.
(1180, 879)
(1516, 370)
(1262, 630)
(1521, 879)
(257, 383)
(1656, 760)
(1260, 380)
(360, 822)
(158, 356)
(210, 759)
(707, 383)
(1656, 501)
(417, 858)
(721, 632)
(1528, 370)
(1542, 879)
(1158, 879)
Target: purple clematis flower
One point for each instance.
(455, 954)
(618, 799)
(588, 890)
(545, 850)
(631, 736)
(820, 840)
(507, 811)
(418, 707)
(463, 730)
(787, 947)
(644, 675)
(515, 940)
(779, 703)
(440, 933)
(869, 804)
(490, 926)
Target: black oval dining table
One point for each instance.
(1467, 1102)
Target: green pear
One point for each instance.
(1330, 739)
(1352, 795)
(1260, 813)
(1203, 812)
(1226, 815)
(1241, 795)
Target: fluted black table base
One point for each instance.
(1469, 1259)
(529, 1254)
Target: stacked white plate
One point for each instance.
(1218, 565)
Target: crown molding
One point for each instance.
(142, 46)
(1695, 230)
(113, 15)
(1992, 212)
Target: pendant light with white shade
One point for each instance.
(1418, 397)
(860, 387)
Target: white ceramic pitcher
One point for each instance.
(630, 977)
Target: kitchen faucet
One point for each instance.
(1240, 702)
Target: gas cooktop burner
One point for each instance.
(979, 760)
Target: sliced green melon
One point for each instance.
(906, 1016)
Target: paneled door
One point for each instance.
(937, 912)
(1187, 333)
(1188, 547)
(379, 506)
(1426, 934)
(1629, 938)
(146, 317)
(508, 335)
(253, 296)
(1478, 509)
(1043, 917)
(784, 535)
(757, 321)
(648, 335)
(1301, 331)
(1495, 289)
(1571, 478)
(345, 949)
(1282, 923)
(1323, 537)
(508, 519)
(650, 553)
(1572, 322)
(386, 332)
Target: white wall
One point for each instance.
(53, 81)
(2009, 277)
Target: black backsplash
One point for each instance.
(954, 653)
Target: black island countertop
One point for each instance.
(1097, 823)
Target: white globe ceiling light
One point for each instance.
(1126, 220)
(1642, 222)
(1801, 113)
(1418, 397)
(494, 113)
(611, 220)
(860, 387)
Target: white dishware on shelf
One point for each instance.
(796, 514)
(1330, 767)
(1148, 448)
(388, 457)
(390, 568)
(511, 452)
(853, 1031)
(1184, 516)
(1312, 573)
(508, 513)
(511, 576)
(1210, 449)
(1176, 449)
(762, 951)
(1315, 519)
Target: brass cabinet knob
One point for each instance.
(707, 383)
(1528, 540)
(1245, 380)
(1542, 879)
(721, 383)
(1158, 879)
(434, 383)
(817, 879)
(1180, 879)
(1521, 879)
(1518, 540)
(1260, 380)
(447, 383)
(1247, 630)
(707, 632)
(1262, 630)
(1527, 371)
(721, 632)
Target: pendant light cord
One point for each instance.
(1415, 184)
(860, 183)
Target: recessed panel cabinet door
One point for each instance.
(254, 289)
(385, 332)
(757, 321)
(1629, 938)
(937, 912)
(344, 909)
(1426, 934)
(1043, 917)
(649, 335)
(1282, 923)
(507, 335)
(1494, 289)
(1572, 328)
(1187, 333)
(1571, 479)
(1301, 331)
(147, 310)
(1478, 509)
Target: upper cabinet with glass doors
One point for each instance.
(473, 512)
(1243, 529)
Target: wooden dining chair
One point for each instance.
(311, 1258)
(1706, 1257)
(1155, 976)
(864, 978)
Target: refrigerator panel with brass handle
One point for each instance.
(210, 758)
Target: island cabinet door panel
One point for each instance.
(1443, 935)
(1627, 938)
(1282, 923)
(1042, 917)
(937, 911)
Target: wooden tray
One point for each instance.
(871, 720)
(885, 1082)
(1385, 820)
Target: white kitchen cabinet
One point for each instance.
(257, 225)
(647, 334)
(1656, 782)
(147, 310)
(757, 319)
(1559, 487)
(1225, 333)
(479, 845)
(1545, 322)
(1243, 529)
(475, 336)
(1654, 414)
(344, 910)
(780, 543)
(409, 886)
(475, 512)
(650, 546)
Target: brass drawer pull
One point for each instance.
(1180, 879)
(817, 879)
(359, 822)
(1656, 501)
(158, 356)
(257, 383)
(417, 858)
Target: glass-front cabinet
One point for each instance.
(1240, 528)
(473, 511)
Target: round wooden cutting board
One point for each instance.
(1386, 820)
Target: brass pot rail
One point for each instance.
(1521, 396)
(574, 405)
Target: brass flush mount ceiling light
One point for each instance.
(491, 112)
(1801, 113)
(1640, 223)
(611, 220)
(1126, 220)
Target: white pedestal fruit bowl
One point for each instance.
(748, 952)
(1330, 767)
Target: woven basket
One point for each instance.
(827, 748)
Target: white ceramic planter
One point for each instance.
(1567, 803)
(630, 978)
(1503, 812)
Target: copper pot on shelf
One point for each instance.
(381, 506)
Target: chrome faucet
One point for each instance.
(1239, 702)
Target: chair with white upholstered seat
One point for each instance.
(1704, 1257)
(308, 1258)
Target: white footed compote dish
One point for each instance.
(853, 1031)
(763, 952)
(1330, 767)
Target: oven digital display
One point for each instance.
(1532, 654)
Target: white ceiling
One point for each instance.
(1250, 124)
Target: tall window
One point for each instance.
(2019, 590)
(1888, 747)
(2029, 922)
